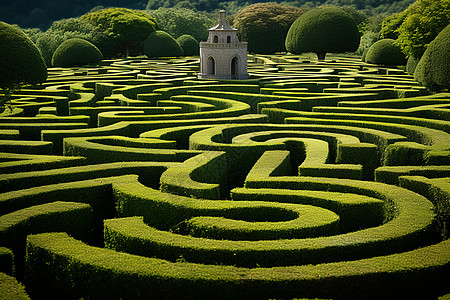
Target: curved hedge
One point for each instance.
(385, 52)
(75, 52)
(323, 30)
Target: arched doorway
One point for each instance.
(235, 67)
(210, 66)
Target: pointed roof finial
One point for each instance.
(223, 23)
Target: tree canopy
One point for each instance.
(179, 21)
(423, 22)
(265, 25)
(385, 52)
(323, 30)
(129, 27)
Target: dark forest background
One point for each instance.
(41, 14)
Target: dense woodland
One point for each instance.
(41, 14)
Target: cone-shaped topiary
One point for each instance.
(323, 30)
(385, 52)
(21, 62)
(189, 44)
(75, 52)
(161, 44)
(433, 69)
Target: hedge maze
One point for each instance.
(136, 180)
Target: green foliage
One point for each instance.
(76, 52)
(178, 21)
(423, 22)
(11, 289)
(367, 40)
(385, 52)
(21, 62)
(265, 25)
(391, 24)
(411, 64)
(323, 30)
(433, 68)
(189, 44)
(129, 27)
(161, 44)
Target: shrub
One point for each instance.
(433, 68)
(189, 45)
(21, 62)
(385, 52)
(367, 40)
(323, 30)
(411, 64)
(265, 25)
(76, 52)
(161, 44)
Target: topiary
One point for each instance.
(264, 26)
(189, 44)
(74, 52)
(385, 52)
(161, 44)
(122, 28)
(322, 30)
(411, 64)
(433, 69)
(20, 63)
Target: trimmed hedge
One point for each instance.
(11, 289)
(437, 190)
(189, 45)
(423, 271)
(385, 52)
(409, 223)
(75, 52)
(202, 176)
(6, 261)
(432, 69)
(161, 44)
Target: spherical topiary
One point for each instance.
(161, 44)
(189, 44)
(433, 69)
(385, 52)
(21, 62)
(323, 30)
(75, 52)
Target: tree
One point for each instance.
(161, 44)
(385, 52)
(390, 25)
(264, 26)
(179, 21)
(129, 27)
(322, 30)
(189, 44)
(423, 22)
(433, 69)
(21, 62)
(74, 52)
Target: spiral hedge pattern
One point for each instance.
(136, 180)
